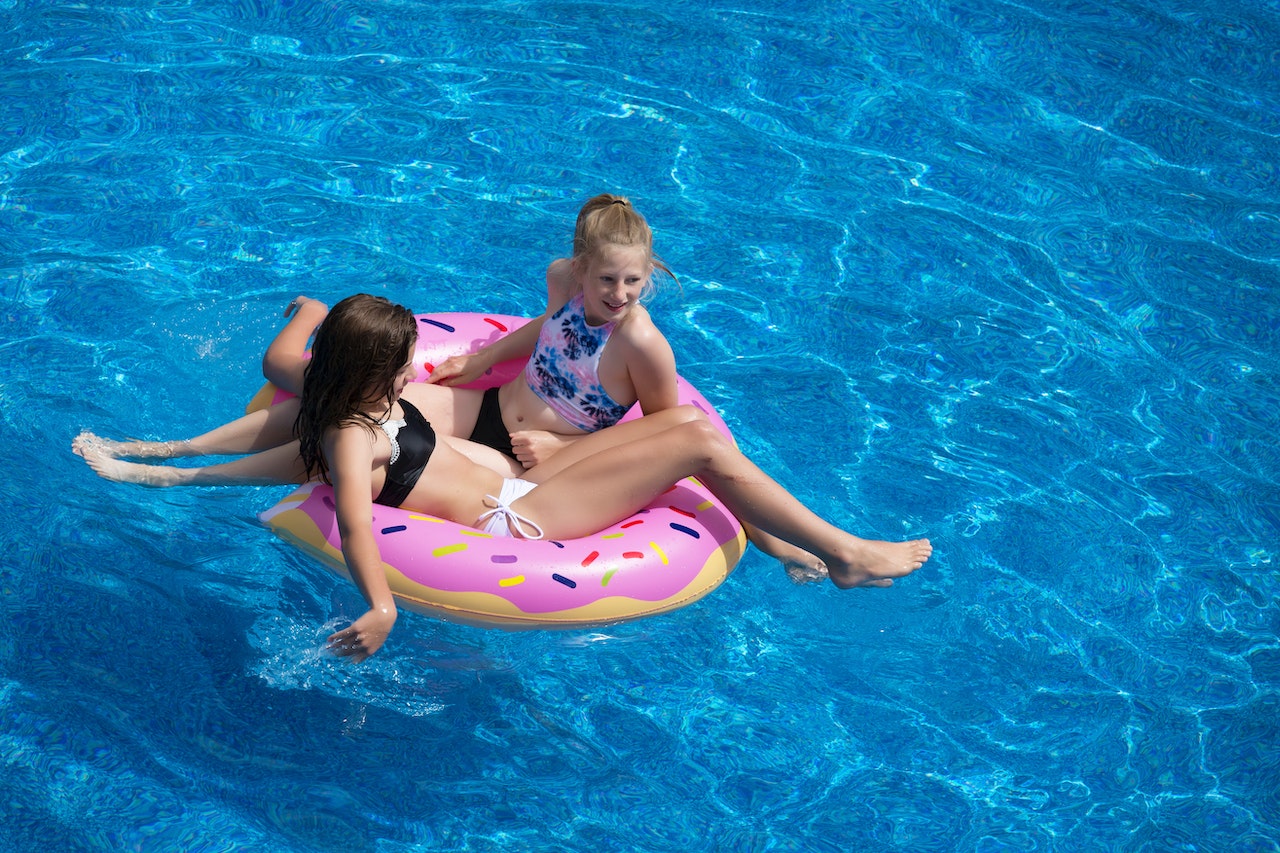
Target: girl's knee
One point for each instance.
(700, 432)
(686, 414)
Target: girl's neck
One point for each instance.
(379, 410)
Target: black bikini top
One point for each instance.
(412, 443)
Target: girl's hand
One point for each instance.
(534, 446)
(364, 636)
(300, 301)
(457, 370)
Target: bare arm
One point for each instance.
(285, 360)
(652, 367)
(350, 454)
(462, 369)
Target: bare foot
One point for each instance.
(800, 565)
(109, 467)
(805, 570)
(875, 563)
(87, 441)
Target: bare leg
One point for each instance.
(604, 487)
(451, 410)
(276, 466)
(611, 438)
(800, 565)
(266, 434)
(87, 442)
(487, 457)
(260, 430)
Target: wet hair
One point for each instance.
(610, 220)
(358, 350)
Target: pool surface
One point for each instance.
(1000, 274)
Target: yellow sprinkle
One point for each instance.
(604, 581)
(661, 555)
(513, 581)
(705, 505)
(449, 549)
(613, 536)
(479, 533)
(427, 518)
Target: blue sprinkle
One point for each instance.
(395, 529)
(438, 324)
(557, 544)
(689, 530)
(564, 580)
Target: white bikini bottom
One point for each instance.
(505, 521)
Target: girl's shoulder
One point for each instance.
(561, 269)
(639, 330)
(561, 284)
(353, 433)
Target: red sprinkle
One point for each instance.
(591, 558)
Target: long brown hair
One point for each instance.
(357, 352)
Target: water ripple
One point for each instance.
(1001, 274)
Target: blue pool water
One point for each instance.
(1002, 274)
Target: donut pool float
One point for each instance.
(668, 555)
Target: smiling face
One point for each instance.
(612, 279)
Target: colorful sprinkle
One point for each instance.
(604, 581)
(492, 322)
(515, 580)
(590, 558)
(504, 558)
(688, 530)
(396, 529)
(613, 536)
(479, 534)
(437, 324)
(633, 555)
(633, 523)
(430, 518)
(704, 506)
(564, 580)
(662, 555)
(683, 512)
(446, 550)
